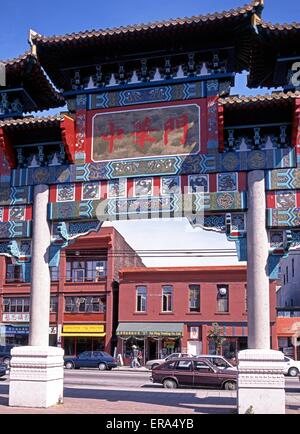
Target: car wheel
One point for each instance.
(154, 365)
(169, 384)
(102, 366)
(293, 372)
(6, 361)
(230, 385)
(69, 365)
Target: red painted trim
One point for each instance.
(221, 128)
(7, 148)
(271, 199)
(295, 140)
(67, 126)
(52, 193)
(242, 181)
(212, 182)
(78, 189)
(104, 189)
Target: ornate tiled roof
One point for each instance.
(60, 53)
(236, 101)
(253, 7)
(26, 71)
(29, 122)
(274, 40)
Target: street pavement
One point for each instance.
(131, 392)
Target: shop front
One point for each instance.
(154, 340)
(77, 338)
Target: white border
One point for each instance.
(146, 156)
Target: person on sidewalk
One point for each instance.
(135, 363)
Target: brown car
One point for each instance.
(194, 372)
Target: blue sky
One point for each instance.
(58, 17)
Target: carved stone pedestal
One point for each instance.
(36, 376)
(261, 382)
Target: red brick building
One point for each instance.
(84, 294)
(164, 310)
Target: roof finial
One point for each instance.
(31, 35)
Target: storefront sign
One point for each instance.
(17, 317)
(11, 331)
(52, 330)
(194, 332)
(83, 328)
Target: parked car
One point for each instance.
(3, 369)
(91, 359)
(5, 355)
(218, 361)
(195, 372)
(156, 362)
(291, 367)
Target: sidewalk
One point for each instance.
(128, 368)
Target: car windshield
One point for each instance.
(220, 363)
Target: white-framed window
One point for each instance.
(194, 298)
(141, 299)
(222, 298)
(167, 298)
(86, 304)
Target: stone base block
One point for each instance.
(261, 383)
(36, 377)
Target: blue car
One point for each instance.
(91, 359)
(3, 369)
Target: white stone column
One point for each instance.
(260, 370)
(40, 273)
(257, 274)
(36, 376)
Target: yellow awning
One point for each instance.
(88, 335)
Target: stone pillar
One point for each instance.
(260, 370)
(257, 275)
(36, 377)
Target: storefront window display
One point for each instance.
(75, 345)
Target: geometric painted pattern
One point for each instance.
(121, 208)
(283, 179)
(177, 165)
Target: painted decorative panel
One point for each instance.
(198, 183)
(65, 192)
(90, 190)
(227, 181)
(143, 187)
(283, 179)
(170, 185)
(181, 91)
(159, 131)
(213, 162)
(17, 213)
(117, 188)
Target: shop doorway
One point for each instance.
(152, 349)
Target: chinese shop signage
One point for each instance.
(17, 317)
(148, 132)
(78, 328)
